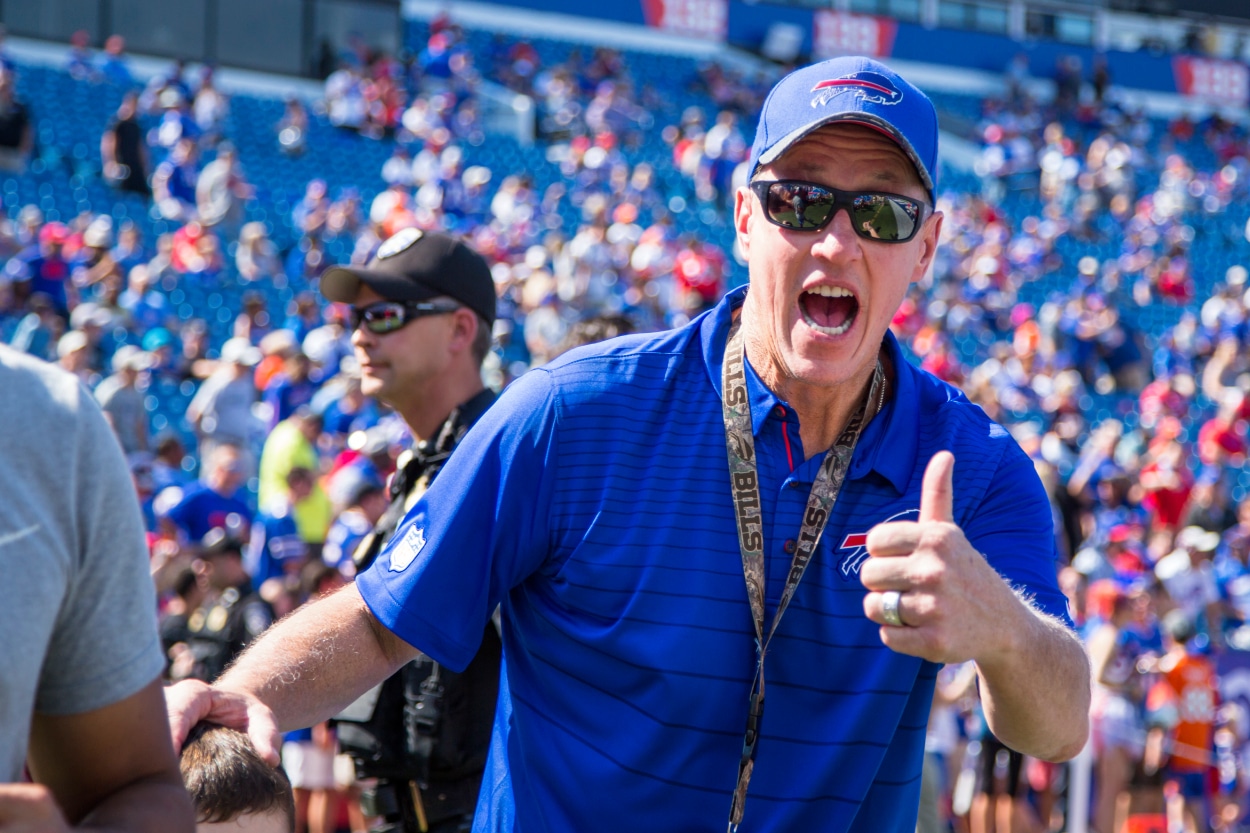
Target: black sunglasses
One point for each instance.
(806, 206)
(388, 316)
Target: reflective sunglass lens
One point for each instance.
(884, 218)
(799, 206)
(379, 319)
(385, 321)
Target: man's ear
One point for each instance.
(744, 207)
(464, 328)
(930, 234)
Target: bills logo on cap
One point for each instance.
(855, 545)
(868, 85)
(399, 241)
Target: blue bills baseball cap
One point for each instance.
(853, 90)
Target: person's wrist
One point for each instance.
(1014, 628)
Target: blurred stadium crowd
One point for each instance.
(163, 241)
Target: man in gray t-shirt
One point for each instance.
(121, 400)
(81, 702)
(221, 410)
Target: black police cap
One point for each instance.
(219, 541)
(416, 265)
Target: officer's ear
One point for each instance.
(464, 329)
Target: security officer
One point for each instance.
(422, 313)
(233, 616)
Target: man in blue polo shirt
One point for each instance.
(594, 505)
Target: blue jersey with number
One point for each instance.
(592, 502)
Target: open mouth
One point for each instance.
(830, 310)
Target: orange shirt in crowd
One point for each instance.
(1193, 680)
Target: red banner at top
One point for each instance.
(697, 18)
(1226, 82)
(839, 33)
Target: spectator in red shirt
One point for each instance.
(1167, 482)
(941, 362)
(1175, 281)
(700, 273)
(1161, 399)
(1221, 441)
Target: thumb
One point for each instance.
(262, 728)
(937, 492)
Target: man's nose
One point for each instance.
(838, 240)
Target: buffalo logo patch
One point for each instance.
(870, 86)
(854, 547)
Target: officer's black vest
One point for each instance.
(219, 632)
(390, 732)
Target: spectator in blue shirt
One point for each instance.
(79, 62)
(216, 501)
(129, 251)
(592, 504)
(167, 461)
(304, 316)
(173, 182)
(435, 59)
(306, 261)
(276, 549)
(313, 209)
(38, 331)
(351, 411)
(291, 389)
(147, 307)
(41, 267)
(113, 68)
(364, 500)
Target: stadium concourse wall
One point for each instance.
(699, 27)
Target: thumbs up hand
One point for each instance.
(952, 605)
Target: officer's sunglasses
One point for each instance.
(388, 316)
(806, 206)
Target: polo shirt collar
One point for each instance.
(894, 460)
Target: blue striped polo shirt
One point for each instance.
(592, 502)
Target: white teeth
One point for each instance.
(831, 292)
(829, 331)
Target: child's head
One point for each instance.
(1179, 626)
(231, 787)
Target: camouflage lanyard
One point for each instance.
(740, 441)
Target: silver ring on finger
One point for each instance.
(889, 608)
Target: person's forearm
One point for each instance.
(1213, 374)
(1085, 468)
(318, 660)
(154, 805)
(1036, 697)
